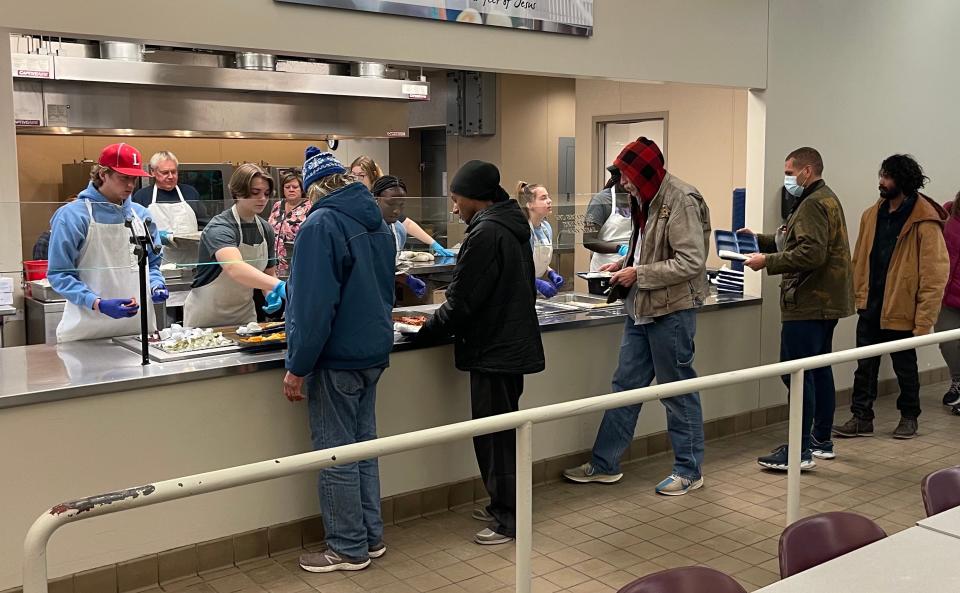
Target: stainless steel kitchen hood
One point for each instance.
(92, 70)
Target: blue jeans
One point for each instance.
(800, 339)
(343, 411)
(663, 349)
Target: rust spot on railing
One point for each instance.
(85, 504)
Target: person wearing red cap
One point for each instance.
(91, 259)
(663, 280)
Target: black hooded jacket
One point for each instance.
(490, 308)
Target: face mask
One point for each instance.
(793, 188)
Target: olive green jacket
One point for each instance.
(815, 261)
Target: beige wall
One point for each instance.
(533, 113)
(699, 41)
(705, 138)
(859, 96)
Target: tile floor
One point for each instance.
(595, 539)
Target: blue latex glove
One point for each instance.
(166, 238)
(622, 250)
(276, 297)
(118, 308)
(441, 250)
(557, 279)
(418, 286)
(545, 288)
(160, 293)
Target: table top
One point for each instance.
(947, 522)
(7, 310)
(916, 559)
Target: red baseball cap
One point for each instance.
(123, 159)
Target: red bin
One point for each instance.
(35, 269)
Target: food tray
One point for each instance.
(742, 243)
(270, 342)
(161, 347)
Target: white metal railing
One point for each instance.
(38, 536)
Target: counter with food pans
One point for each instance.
(86, 418)
(51, 372)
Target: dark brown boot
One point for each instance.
(907, 429)
(854, 427)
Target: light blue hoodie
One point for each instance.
(68, 231)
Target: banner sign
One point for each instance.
(570, 17)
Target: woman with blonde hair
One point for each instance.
(237, 255)
(536, 205)
(365, 170)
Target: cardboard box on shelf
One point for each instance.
(437, 297)
(406, 298)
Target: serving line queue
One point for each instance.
(340, 298)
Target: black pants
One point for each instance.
(800, 339)
(492, 394)
(868, 369)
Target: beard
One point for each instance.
(888, 194)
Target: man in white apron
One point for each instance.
(614, 232)
(92, 264)
(225, 301)
(237, 254)
(169, 208)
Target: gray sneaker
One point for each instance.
(481, 514)
(377, 550)
(586, 473)
(489, 537)
(330, 561)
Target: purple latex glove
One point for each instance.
(119, 308)
(547, 289)
(418, 286)
(160, 294)
(557, 279)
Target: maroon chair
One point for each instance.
(817, 539)
(941, 490)
(686, 579)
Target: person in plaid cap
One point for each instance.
(663, 280)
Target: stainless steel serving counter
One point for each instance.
(51, 372)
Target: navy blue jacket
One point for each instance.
(340, 292)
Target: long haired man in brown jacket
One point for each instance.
(900, 269)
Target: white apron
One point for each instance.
(616, 229)
(542, 254)
(225, 301)
(178, 218)
(108, 266)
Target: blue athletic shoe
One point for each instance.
(675, 485)
(777, 459)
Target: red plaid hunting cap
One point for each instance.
(641, 162)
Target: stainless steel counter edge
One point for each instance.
(46, 373)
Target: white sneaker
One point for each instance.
(489, 537)
(586, 473)
(481, 514)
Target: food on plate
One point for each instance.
(415, 256)
(254, 328)
(415, 320)
(277, 337)
(177, 338)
